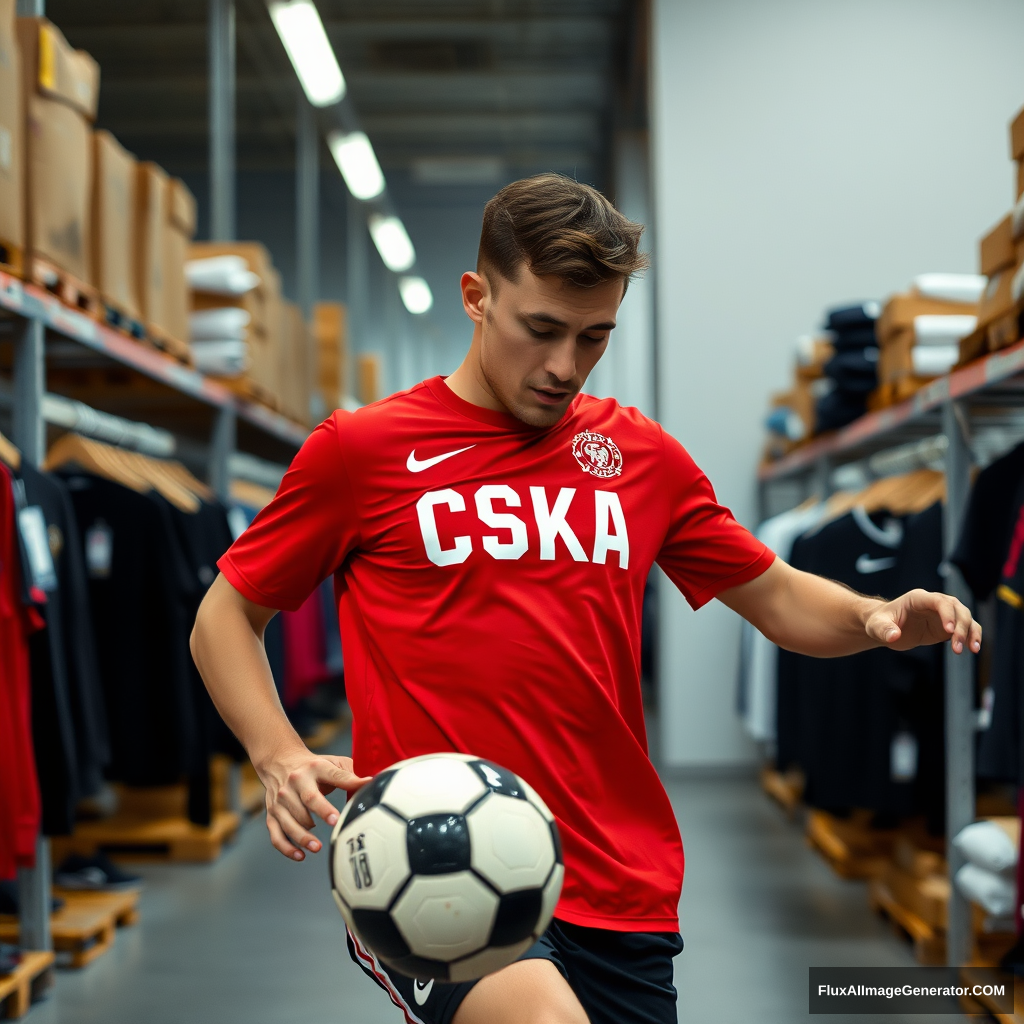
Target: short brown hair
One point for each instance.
(557, 226)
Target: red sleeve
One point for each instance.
(304, 534)
(705, 550)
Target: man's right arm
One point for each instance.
(227, 645)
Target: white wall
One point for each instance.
(806, 152)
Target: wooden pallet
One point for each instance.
(134, 838)
(113, 315)
(246, 388)
(849, 846)
(929, 943)
(24, 983)
(975, 974)
(1004, 331)
(12, 258)
(252, 795)
(159, 339)
(83, 929)
(69, 289)
(785, 788)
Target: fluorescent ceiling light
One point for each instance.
(392, 242)
(416, 294)
(302, 32)
(358, 163)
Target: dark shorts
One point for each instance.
(619, 977)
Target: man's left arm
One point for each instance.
(811, 615)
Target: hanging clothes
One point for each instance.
(68, 713)
(20, 809)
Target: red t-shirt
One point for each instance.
(490, 579)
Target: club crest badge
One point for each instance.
(597, 455)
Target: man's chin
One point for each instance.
(535, 415)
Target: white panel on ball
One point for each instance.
(371, 860)
(551, 893)
(425, 757)
(436, 785)
(445, 917)
(487, 961)
(511, 843)
(534, 797)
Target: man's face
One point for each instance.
(539, 339)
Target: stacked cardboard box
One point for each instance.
(331, 342)
(113, 235)
(792, 417)
(918, 337)
(1001, 259)
(368, 377)
(12, 146)
(296, 354)
(60, 90)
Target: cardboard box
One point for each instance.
(254, 302)
(51, 68)
(151, 199)
(294, 364)
(330, 336)
(12, 143)
(58, 176)
(1017, 136)
(900, 310)
(178, 232)
(997, 250)
(56, 70)
(997, 300)
(113, 221)
(1020, 178)
(368, 377)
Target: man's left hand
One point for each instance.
(921, 617)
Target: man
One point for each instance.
(489, 535)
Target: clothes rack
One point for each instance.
(958, 420)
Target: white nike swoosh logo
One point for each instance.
(866, 564)
(415, 465)
(420, 991)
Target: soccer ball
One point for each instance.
(446, 866)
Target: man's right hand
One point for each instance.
(297, 784)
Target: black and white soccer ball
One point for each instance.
(446, 866)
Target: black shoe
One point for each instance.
(95, 874)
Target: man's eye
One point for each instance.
(590, 337)
(540, 334)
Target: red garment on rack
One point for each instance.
(19, 785)
(305, 650)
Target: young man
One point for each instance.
(489, 535)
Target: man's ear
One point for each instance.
(476, 293)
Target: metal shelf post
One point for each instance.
(221, 33)
(959, 690)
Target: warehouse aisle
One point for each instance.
(255, 939)
(759, 908)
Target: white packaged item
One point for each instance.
(934, 360)
(228, 323)
(987, 845)
(224, 358)
(222, 275)
(942, 330)
(996, 894)
(950, 287)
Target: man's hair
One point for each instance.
(556, 226)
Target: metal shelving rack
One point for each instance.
(61, 350)
(987, 394)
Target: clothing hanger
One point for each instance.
(181, 475)
(254, 495)
(163, 482)
(9, 453)
(93, 457)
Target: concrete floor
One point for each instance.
(256, 939)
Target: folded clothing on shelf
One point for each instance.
(224, 357)
(991, 845)
(228, 322)
(950, 287)
(995, 893)
(934, 360)
(932, 329)
(221, 275)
